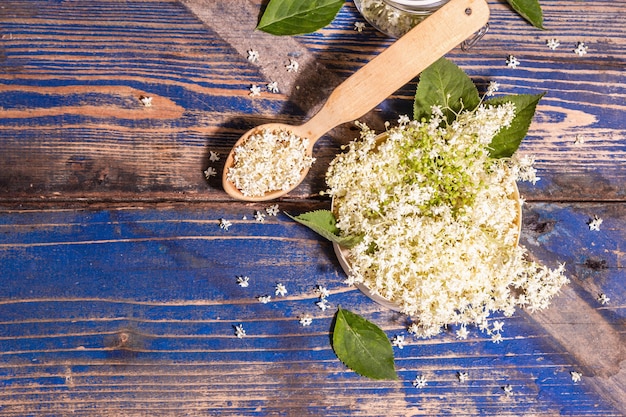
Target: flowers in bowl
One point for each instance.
(427, 215)
(438, 220)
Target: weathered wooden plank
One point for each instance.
(71, 125)
(132, 310)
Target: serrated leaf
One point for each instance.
(362, 346)
(324, 223)
(296, 17)
(446, 85)
(529, 10)
(506, 142)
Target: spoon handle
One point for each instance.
(399, 63)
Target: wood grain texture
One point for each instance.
(78, 80)
(132, 312)
(118, 293)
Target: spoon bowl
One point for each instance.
(234, 192)
(375, 81)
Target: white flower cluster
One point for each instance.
(269, 161)
(439, 219)
(389, 19)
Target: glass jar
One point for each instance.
(396, 17)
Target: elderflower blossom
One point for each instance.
(439, 220)
(581, 49)
(243, 281)
(293, 66)
(264, 299)
(553, 43)
(391, 20)
(594, 225)
(240, 331)
(420, 381)
(281, 290)
(512, 61)
(323, 304)
(269, 161)
(359, 26)
(398, 341)
(214, 156)
(255, 90)
(603, 299)
(225, 224)
(146, 101)
(253, 55)
(306, 320)
(272, 210)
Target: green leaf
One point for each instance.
(529, 10)
(295, 17)
(444, 84)
(506, 142)
(324, 223)
(362, 346)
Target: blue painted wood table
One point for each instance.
(118, 287)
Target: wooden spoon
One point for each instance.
(378, 79)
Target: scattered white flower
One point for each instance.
(306, 320)
(512, 61)
(264, 299)
(281, 290)
(576, 376)
(553, 43)
(483, 326)
(359, 26)
(603, 299)
(595, 224)
(244, 217)
(259, 216)
(420, 381)
(210, 172)
(508, 389)
(267, 161)
(492, 88)
(272, 210)
(462, 376)
(581, 49)
(323, 304)
(146, 101)
(398, 341)
(579, 139)
(239, 331)
(293, 66)
(253, 55)
(243, 281)
(462, 333)
(225, 224)
(255, 90)
(496, 338)
(273, 87)
(497, 326)
(414, 329)
(321, 291)
(214, 156)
